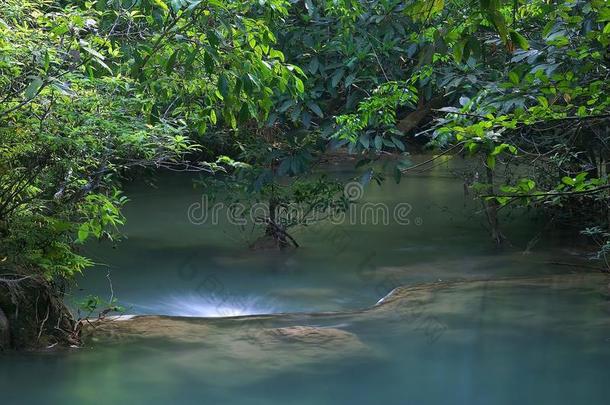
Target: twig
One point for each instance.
(44, 321)
(550, 194)
(433, 159)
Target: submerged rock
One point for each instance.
(125, 328)
(432, 309)
(247, 349)
(436, 299)
(199, 330)
(331, 337)
(509, 306)
(244, 350)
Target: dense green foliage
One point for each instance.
(520, 84)
(90, 90)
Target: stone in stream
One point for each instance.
(254, 347)
(199, 330)
(435, 299)
(244, 350)
(448, 310)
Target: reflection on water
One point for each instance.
(338, 267)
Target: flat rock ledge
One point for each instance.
(434, 298)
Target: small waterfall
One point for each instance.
(212, 306)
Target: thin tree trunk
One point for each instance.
(491, 209)
(423, 110)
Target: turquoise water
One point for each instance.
(207, 270)
(528, 344)
(543, 342)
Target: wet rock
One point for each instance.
(308, 335)
(244, 346)
(243, 350)
(276, 349)
(125, 328)
(254, 347)
(5, 337)
(443, 306)
(198, 330)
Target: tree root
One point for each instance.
(36, 315)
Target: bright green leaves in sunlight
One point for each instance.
(491, 157)
(376, 117)
(94, 89)
(204, 60)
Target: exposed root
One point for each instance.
(23, 300)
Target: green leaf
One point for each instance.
(161, 4)
(492, 9)
(306, 119)
(314, 63)
(365, 140)
(208, 62)
(581, 177)
(513, 77)
(285, 105)
(169, 66)
(223, 85)
(397, 175)
(47, 61)
(299, 85)
(93, 52)
(491, 162)
(349, 80)
(398, 143)
(458, 50)
(33, 87)
(520, 40)
(543, 101)
(336, 78)
(315, 108)
(284, 166)
(83, 232)
(309, 7)
(378, 142)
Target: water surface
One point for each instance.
(169, 265)
(544, 342)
